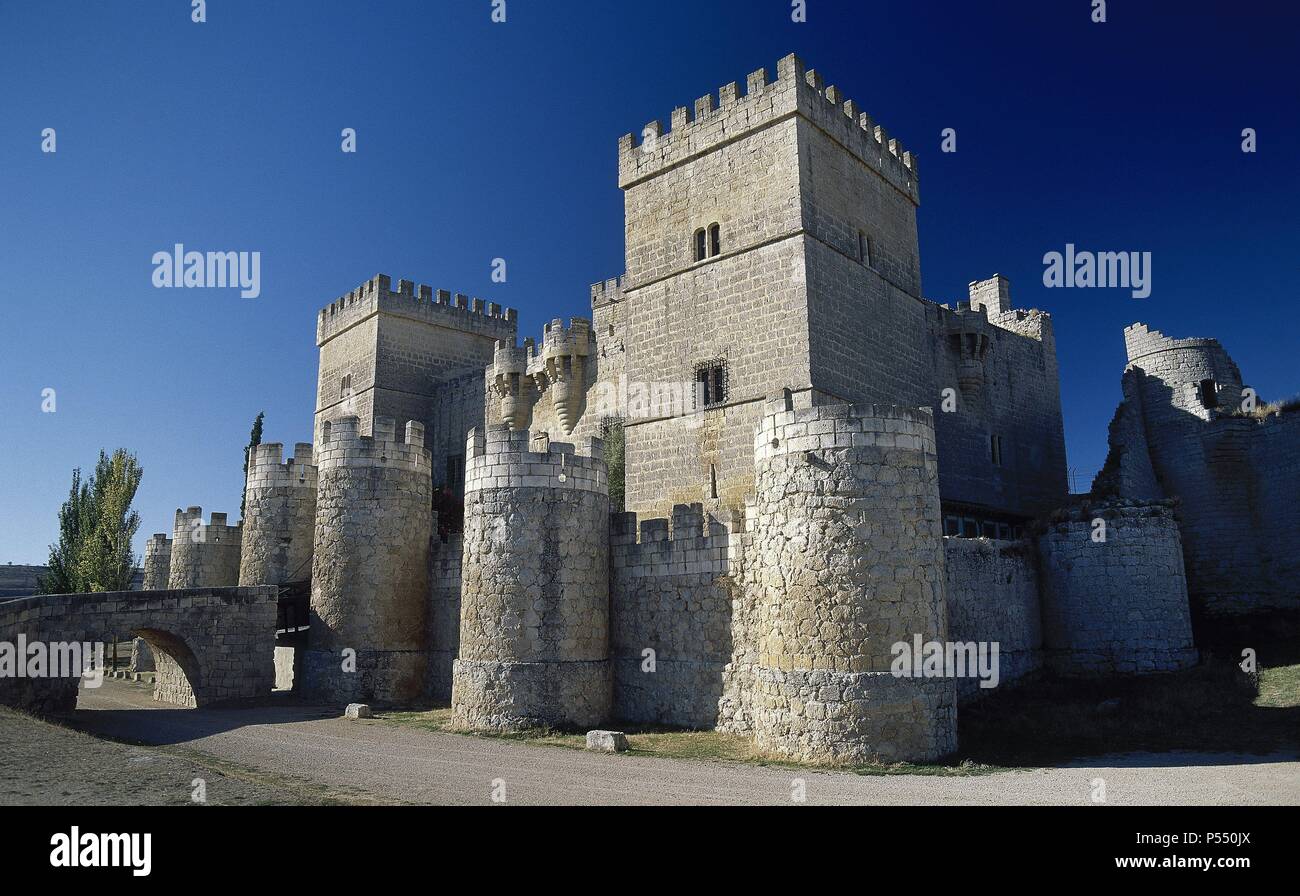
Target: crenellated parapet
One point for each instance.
(606, 292)
(279, 515)
(418, 302)
(795, 91)
(691, 542)
(343, 445)
(204, 555)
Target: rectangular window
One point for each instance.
(866, 250)
(995, 450)
(455, 471)
(710, 383)
(1209, 394)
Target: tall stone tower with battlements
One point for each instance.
(409, 353)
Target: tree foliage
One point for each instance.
(254, 439)
(96, 527)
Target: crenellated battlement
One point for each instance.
(786, 430)
(692, 542)
(795, 91)
(501, 457)
(606, 292)
(342, 445)
(419, 302)
(267, 467)
(190, 520)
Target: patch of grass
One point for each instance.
(677, 743)
(1214, 707)
(1211, 708)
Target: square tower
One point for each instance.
(412, 353)
(771, 241)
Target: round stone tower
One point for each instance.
(534, 623)
(848, 563)
(370, 577)
(157, 562)
(204, 556)
(1114, 592)
(279, 516)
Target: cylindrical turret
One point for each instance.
(279, 516)
(850, 564)
(370, 578)
(157, 562)
(508, 378)
(204, 556)
(559, 367)
(534, 632)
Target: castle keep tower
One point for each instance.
(370, 577)
(410, 353)
(204, 556)
(534, 633)
(279, 516)
(848, 560)
(771, 240)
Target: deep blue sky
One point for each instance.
(479, 140)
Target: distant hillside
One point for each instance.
(17, 580)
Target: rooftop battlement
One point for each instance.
(191, 519)
(418, 302)
(500, 457)
(342, 445)
(606, 292)
(795, 91)
(267, 467)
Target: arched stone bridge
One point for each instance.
(210, 644)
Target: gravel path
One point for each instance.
(351, 759)
(50, 765)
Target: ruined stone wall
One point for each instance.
(534, 619)
(444, 614)
(847, 560)
(157, 562)
(279, 516)
(1275, 457)
(370, 575)
(204, 555)
(1117, 606)
(1223, 468)
(993, 596)
(671, 594)
(1001, 364)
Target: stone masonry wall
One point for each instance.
(157, 562)
(279, 516)
(670, 593)
(211, 644)
(846, 560)
(204, 556)
(534, 621)
(444, 615)
(370, 575)
(993, 596)
(1117, 606)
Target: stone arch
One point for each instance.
(179, 674)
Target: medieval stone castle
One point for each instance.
(855, 467)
